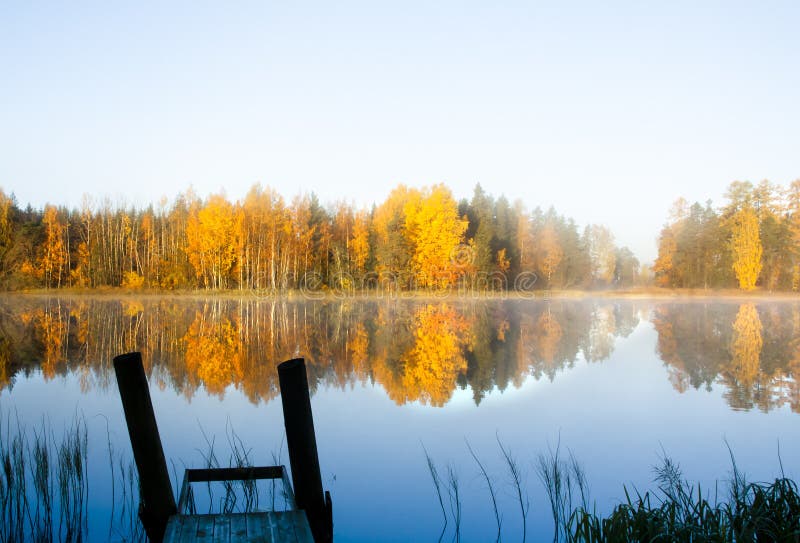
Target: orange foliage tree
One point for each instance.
(746, 247)
(211, 241)
(435, 231)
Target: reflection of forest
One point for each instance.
(417, 351)
(753, 351)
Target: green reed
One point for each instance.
(44, 485)
(676, 511)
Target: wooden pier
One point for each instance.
(269, 526)
(309, 517)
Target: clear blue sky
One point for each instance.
(608, 112)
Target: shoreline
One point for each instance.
(647, 293)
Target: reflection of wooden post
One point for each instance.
(302, 444)
(157, 500)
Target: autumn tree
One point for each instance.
(435, 231)
(665, 268)
(360, 243)
(6, 228)
(211, 236)
(265, 247)
(746, 247)
(549, 251)
(393, 249)
(600, 243)
(53, 255)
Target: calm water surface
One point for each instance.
(619, 383)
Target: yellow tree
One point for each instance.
(435, 231)
(392, 244)
(266, 229)
(746, 247)
(6, 228)
(550, 253)
(360, 242)
(664, 266)
(211, 242)
(5, 222)
(53, 255)
(793, 216)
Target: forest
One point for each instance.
(752, 241)
(417, 239)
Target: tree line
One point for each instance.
(416, 239)
(751, 241)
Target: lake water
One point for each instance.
(619, 383)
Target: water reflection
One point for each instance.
(417, 351)
(751, 350)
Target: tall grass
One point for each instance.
(679, 511)
(44, 485)
(676, 511)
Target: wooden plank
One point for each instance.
(238, 527)
(273, 527)
(256, 527)
(173, 531)
(184, 494)
(271, 520)
(234, 474)
(283, 526)
(222, 529)
(301, 531)
(189, 530)
(205, 528)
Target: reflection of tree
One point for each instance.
(551, 337)
(213, 352)
(706, 343)
(742, 372)
(690, 339)
(5, 363)
(417, 351)
(358, 348)
(548, 337)
(491, 355)
(601, 334)
(51, 329)
(429, 368)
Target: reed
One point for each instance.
(44, 485)
(492, 494)
(437, 484)
(518, 483)
(675, 511)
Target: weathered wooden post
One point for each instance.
(157, 499)
(302, 445)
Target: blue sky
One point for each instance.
(608, 112)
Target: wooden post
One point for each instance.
(157, 499)
(302, 444)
